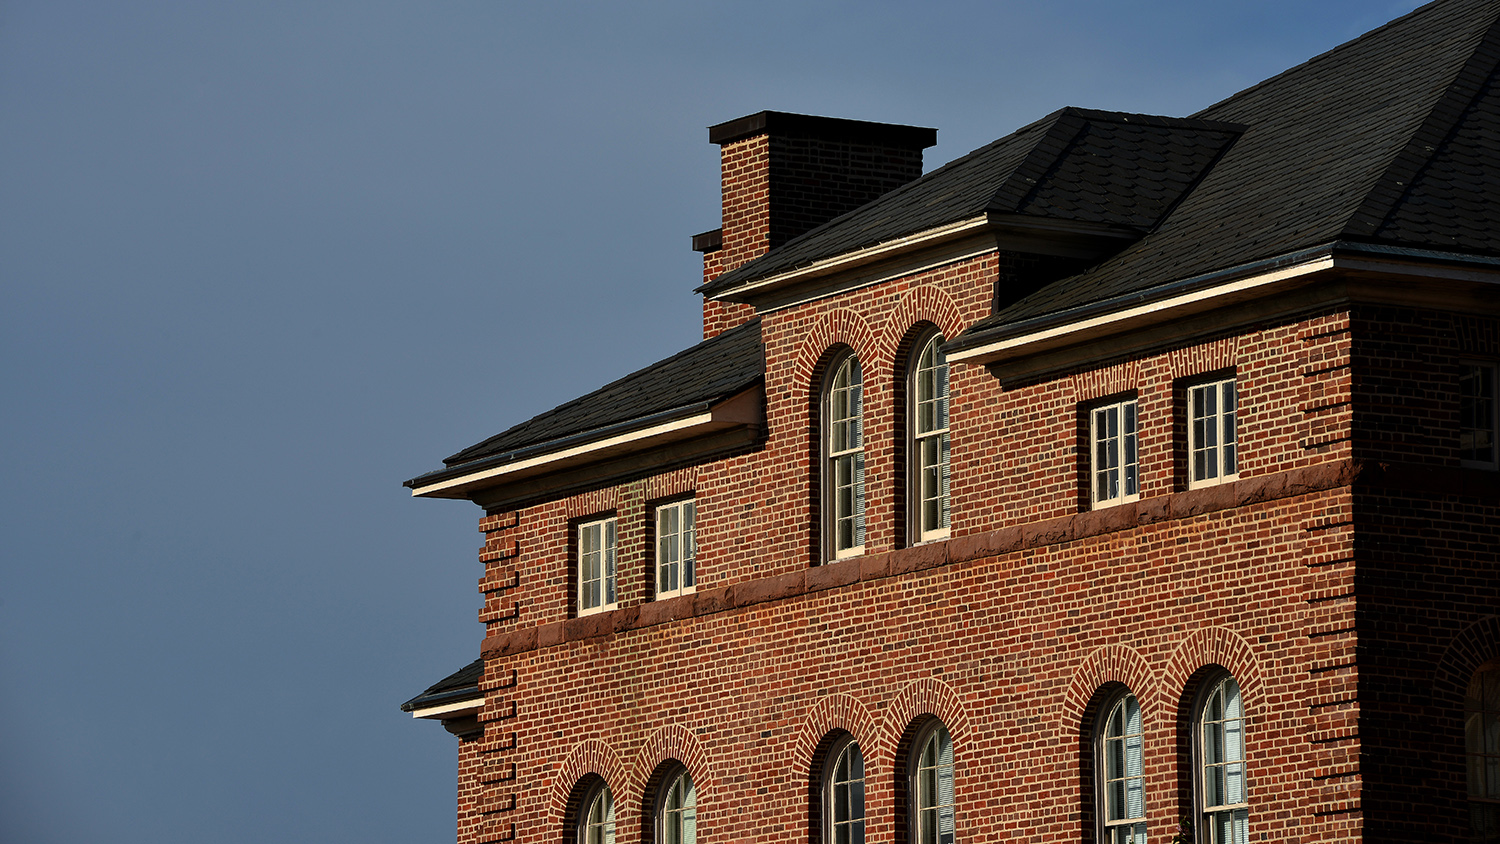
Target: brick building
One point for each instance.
(1129, 470)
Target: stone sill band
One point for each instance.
(1179, 505)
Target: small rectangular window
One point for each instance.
(596, 566)
(1116, 465)
(1212, 458)
(1477, 415)
(676, 549)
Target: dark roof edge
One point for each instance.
(535, 449)
(1006, 331)
(723, 337)
(424, 700)
(1423, 9)
(1437, 126)
(787, 124)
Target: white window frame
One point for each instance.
(844, 793)
(677, 809)
(1481, 728)
(597, 564)
(932, 752)
(1216, 765)
(1114, 453)
(1219, 455)
(676, 549)
(596, 816)
(1479, 405)
(844, 460)
(1112, 753)
(929, 446)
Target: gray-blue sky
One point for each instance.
(261, 262)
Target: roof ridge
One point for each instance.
(1028, 175)
(1441, 122)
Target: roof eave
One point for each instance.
(1019, 232)
(1186, 298)
(739, 409)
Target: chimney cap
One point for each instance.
(785, 124)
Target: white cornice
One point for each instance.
(857, 257)
(449, 710)
(1159, 309)
(580, 451)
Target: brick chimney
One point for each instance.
(786, 174)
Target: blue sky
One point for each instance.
(261, 262)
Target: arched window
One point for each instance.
(1119, 749)
(677, 810)
(844, 460)
(931, 786)
(1482, 746)
(596, 823)
(844, 794)
(928, 427)
(1223, 790)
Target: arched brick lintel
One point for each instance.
(1201, 649)
(590, 756)
(839, 327)
(928, 696)
(1109, 664)
(1472, 647)
(926, 304)
(834, 712)
(673, 741)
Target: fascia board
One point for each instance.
(1360, 260)
(1016, 232)
(856, 258)
(1159, 310)
(468, 706)
(579, 451)
(736, 411)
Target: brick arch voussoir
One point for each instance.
(834, 712)
(590, 756)
(925, 304)
(1470, 648)
(1203, 648)
(673, 741)
(928, 696)
(1109, 664)
(839, 327)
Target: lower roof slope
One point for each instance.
(1391, 137)
(713, 370)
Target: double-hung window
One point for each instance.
(1212, 458)
(844, 460)
(845, 795)
(1116, 465)
(1121, 752)
(1482, 746)
(1223, 794)
(596, 566)
(596, 824)
(932, 787)
(929, 432)
(677, 819)
(1477, 415)
(675, 549)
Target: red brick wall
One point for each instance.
(1338, 589)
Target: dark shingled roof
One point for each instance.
(1076, 164)
(460, 685)
(1391, 138)
(713, 370)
